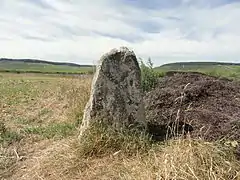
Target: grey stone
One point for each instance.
(116, 97)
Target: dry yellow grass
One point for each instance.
(34, 99)
(34, 108)
(177, 159)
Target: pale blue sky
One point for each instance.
(81, 31)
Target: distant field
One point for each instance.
(38, 101)
(229, 71)
(22, 67)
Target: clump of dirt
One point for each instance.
(209, 105)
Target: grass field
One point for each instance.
(229, 71)
(42, 68)
(38, 108)
(39, 122)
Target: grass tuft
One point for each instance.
(7, 136)
(195, 159)
(100, 140)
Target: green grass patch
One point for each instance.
(15, 91)
(7, 136)
(58, 130)
(10, 137)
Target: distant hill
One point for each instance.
(41, 66)
(197, 64)
(42, 61)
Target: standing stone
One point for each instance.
(116, 97)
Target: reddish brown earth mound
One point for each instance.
(210, 106)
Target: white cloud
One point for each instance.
(81, 31)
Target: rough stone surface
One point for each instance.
(116, 97)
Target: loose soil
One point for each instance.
(210, 106)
